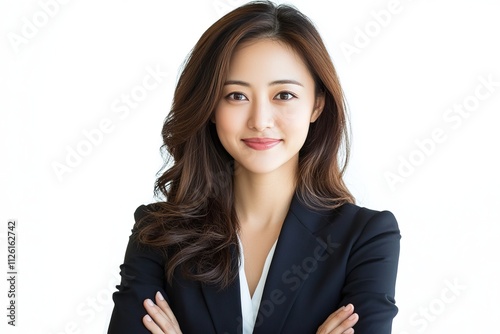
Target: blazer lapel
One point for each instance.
(284, 281)
(224, 307)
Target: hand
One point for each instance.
(160, 318)
(340, 321)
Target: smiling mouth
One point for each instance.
(261, 144)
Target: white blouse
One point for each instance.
(250, 305)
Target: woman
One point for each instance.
(257, 231)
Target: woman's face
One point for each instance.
(267, 105)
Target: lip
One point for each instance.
(261, 144)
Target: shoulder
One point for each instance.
(141, 214)
(144, 210)
(350, 224)
(347, 216)
(364, 228)
(361, 220)
(371, 223)
(361, 216)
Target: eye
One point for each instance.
(236, 96)
(285, 96)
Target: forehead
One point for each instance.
(264, 59)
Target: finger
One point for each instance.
(162, 303)
(160, 319)
(346, 326)
(335, 319)
(348, 308)
(339, 321)
(151, 325)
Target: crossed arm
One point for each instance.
(161, 320)
(369, 286)
(142, 272)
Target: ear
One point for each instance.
(318, 106)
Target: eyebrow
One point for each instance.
(272, 83)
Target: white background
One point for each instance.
(70, 74)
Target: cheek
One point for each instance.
(227, 122)
(296, 123)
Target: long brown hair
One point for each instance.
(196, 220)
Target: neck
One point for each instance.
(263, 200)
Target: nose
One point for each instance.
(261, 116)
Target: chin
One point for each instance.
(257, 169)
(258, 166)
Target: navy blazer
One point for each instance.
(322, 261)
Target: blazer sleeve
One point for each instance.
(371, 273)
(142, 275)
